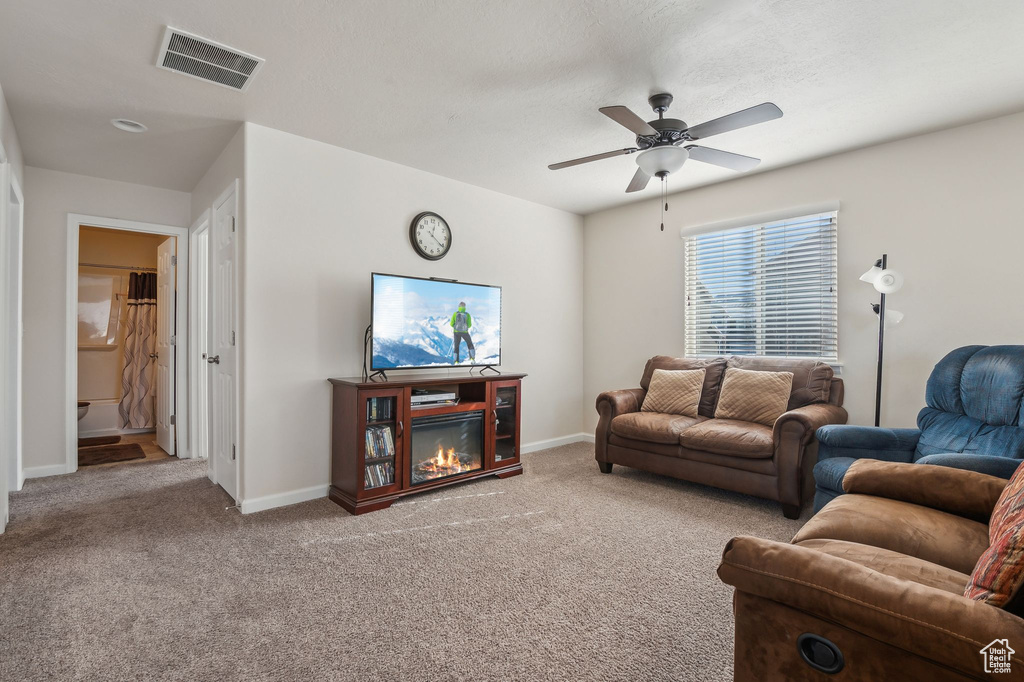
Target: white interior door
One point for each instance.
(221, 354)
(166, 276)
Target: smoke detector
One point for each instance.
(201, 58)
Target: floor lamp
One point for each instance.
(885, 281)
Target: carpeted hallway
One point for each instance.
(138, 573)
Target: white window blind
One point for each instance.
(765, 289)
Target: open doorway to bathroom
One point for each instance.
(127, 291)
(125, 361)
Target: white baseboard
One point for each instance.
(258, 504)
(556, 442)
(48, 470)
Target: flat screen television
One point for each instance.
(419, 323)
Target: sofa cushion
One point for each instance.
(754, 396)
(674, 391)
(714, 367)
(729, 437)
(893, 564)
(945, 539)
(998, 577)
(812, 379)
(653, 427)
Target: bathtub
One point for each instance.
(103, 420)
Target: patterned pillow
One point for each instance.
(674, 392)
(999, 575)
(751, 396)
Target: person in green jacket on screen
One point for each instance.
(461, 322)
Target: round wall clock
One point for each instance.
(430, 235)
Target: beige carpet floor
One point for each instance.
(138, 573)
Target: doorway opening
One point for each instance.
(127, 342)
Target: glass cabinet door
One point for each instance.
(383, 434)
(506, 422)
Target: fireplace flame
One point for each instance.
(447, 462)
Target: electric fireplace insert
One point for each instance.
(446, 445)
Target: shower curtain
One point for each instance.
(136, 408)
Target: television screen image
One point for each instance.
(430, 323)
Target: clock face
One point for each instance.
(430, 235)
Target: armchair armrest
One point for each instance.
(928, 622)
(870, 442)
(956, 491)
(993, 465)
(620, 402)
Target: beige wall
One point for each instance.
(50, 196)
(320, 220)
(944, 206)
(228, 167)
(99, 371)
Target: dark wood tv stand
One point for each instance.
(372, 460)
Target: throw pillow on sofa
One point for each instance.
(752, 396)
(998, 577)
(674, 392)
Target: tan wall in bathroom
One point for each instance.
(99, 371)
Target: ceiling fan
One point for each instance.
(663, 143)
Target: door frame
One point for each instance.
(199, 302)
(181, 345)
(11, 332)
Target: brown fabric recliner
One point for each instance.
(770, 462)
(880, 574)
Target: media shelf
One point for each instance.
(383, 447)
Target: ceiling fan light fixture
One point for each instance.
(662, 160)
(128, 125)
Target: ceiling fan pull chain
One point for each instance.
(664, 199)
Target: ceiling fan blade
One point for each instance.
(594, 157)
(736, 162)
(625, 117)
(740, 119)
(639, 181)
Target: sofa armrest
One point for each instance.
(794, 456)
(993, 465)
(871, 442)
(803, 422)
(620, 402)
(610, 405)
(955, 491)
(928, 622)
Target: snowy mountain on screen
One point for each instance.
(428, 342)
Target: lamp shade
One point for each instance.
(892, 317)
(871, 275)
(665, 159)
(888, 281)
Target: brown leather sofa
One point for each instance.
(770, 462)
(879, 575)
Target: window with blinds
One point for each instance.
(766, 289)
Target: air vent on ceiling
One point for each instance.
(201, 58)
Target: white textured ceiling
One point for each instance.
(492, 92)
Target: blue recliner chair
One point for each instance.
(974, 420)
